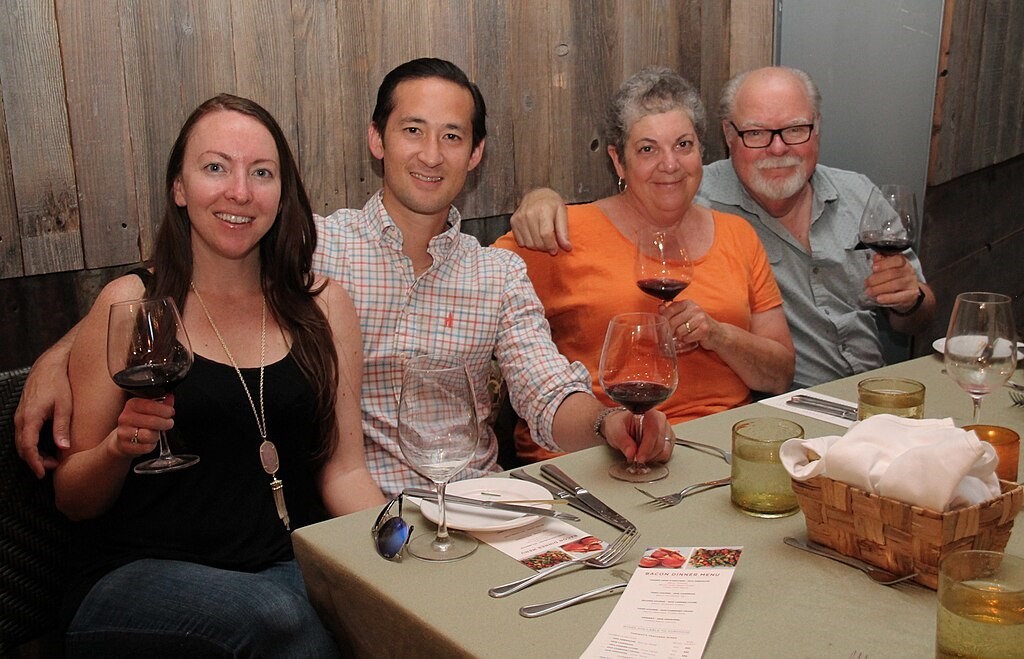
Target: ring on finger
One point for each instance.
(687, 327)
(135, 437)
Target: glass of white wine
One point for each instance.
(981, 344)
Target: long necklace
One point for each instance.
(268, 452)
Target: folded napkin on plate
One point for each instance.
(924, 462)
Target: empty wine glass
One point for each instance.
(662, 267)
(438, 435)
(148, 355)
(889, 221)
(638, 371)
(981, 344)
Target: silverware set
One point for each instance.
(610, 556)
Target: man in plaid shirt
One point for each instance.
(421, 286)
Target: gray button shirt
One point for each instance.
(835, 331)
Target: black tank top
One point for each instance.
(221, 511)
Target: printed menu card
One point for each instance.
(543, 543)
(670, 604)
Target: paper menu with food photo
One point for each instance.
(670, 605)
(543, 543)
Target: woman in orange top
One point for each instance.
(732, 309)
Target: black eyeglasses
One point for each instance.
(760, 138)
(390, 534)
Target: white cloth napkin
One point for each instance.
(923, 462)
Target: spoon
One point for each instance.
(876, 574)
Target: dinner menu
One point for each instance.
(670, 604)
(543, 543)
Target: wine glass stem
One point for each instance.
(637, 465)
(976, 400)
(165, 448)
(441, 540)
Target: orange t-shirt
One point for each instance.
(581, 290)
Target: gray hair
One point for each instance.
(727, 103)
(653, 90)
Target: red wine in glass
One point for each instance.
(638, 397)
(638, 371)
(884, 246)
(148, 355)
(663, 288)
(151, 380)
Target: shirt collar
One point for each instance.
(381, 224)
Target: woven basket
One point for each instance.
(897, 536)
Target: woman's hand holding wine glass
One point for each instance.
(638, 371)
(148, 355)
(438, 435)
(981, 344)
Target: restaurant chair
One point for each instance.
(34, 540)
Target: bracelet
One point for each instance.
(601, 417)
(917, 304)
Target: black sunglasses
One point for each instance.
(390, 534)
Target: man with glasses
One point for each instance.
(807, 216)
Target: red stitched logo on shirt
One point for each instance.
(449, 321)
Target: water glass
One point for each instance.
(1006, 442)
(761, 486)
(981, 605)
(896, 396)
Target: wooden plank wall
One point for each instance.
(973, 234)
(979, 105)
(92, 94)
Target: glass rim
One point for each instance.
(913, 386)
(984, 297)
(637, 318)
(778, 421)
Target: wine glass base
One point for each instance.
(426, 547)
(165, 464)
(625, 471)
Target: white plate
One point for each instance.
(939, 345)
(467, 518)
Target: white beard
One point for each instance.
(778, 189)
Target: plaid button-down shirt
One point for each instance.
(473, 302)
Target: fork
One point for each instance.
(1017, 397)
(607, 558)
(698, 446)
(670, 500)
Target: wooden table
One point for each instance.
(781, 603)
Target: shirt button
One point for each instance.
(827, 312)
(814, 270)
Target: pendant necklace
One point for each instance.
(268, 452)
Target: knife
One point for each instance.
(556, 492)
(496, 505)
(600, 507)
(824, 406)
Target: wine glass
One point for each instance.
(663, 268)
(148, 355)
(889, 221)
(981, 344)
(638, 371)
(438, 435)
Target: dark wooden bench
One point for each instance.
(34, 540)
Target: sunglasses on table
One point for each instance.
(390, 534)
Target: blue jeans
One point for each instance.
(160, 608)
